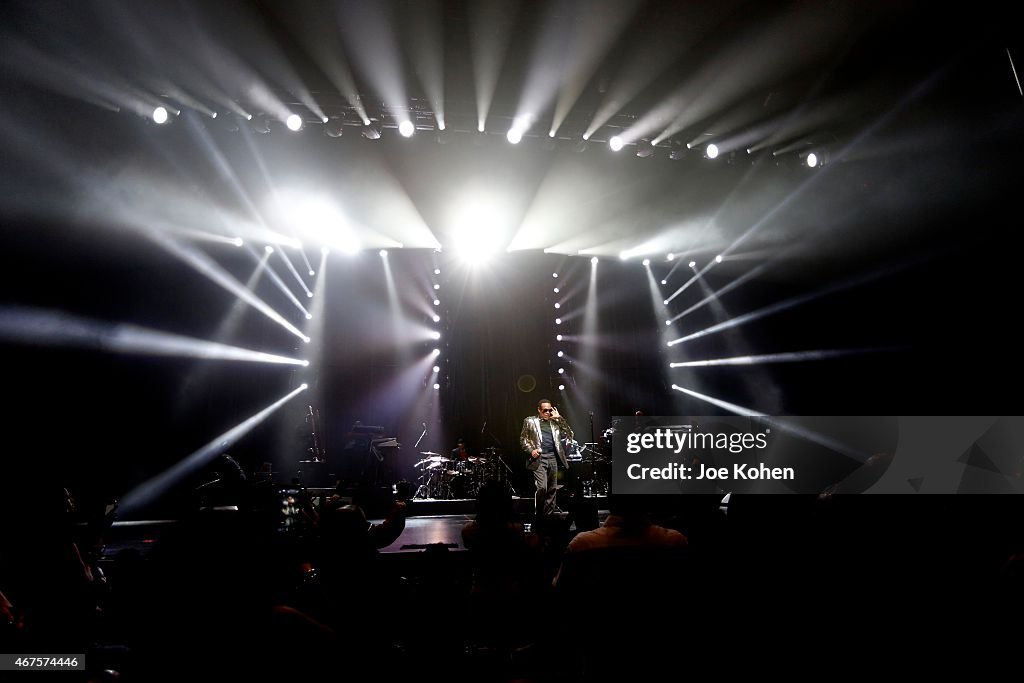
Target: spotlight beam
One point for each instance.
(56, 328)
(288, 262)
(592, 37)
(788, 357)
(226, 329)
(158, 485)
(305, 260)
(752, 273)
(276, 279)
(213, 271)
(491, 24)
(369, 30)
(424, 37)
(725, 405)
(878, 124)
(786, 304)
(795, 429)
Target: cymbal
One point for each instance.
(429, 453)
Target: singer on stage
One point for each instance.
(541, 440)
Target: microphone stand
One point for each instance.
(508, 477)
(417, 444)
(593, 438)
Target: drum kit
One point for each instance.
(591, 467)
(444, 478)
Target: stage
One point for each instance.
(430, 523)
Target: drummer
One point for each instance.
(459, 453)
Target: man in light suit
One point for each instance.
(541, 439)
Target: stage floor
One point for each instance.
(422, 529)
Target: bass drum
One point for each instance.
(460, 485)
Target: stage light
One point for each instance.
(261, 125)
(594, 260)
(556, 290)
(436, 352)
(693, 264)
(440, 124)
(812, 160)
(677, 154)
(558, 337)
(480, 127)
(435, 335)
(558, 321)
(557, 305)
(664, 282)
(561, 353)
(309, 316)
(437, 386)
(383, 253)
(668, 322)
(312, 273)
(406, 129)
(269, 249)
(248, 117)
(325, 251)
(647, 261)
(561, 371)
(616, 143)
(437, 368)
(561, 387)
(437, 286)
(333, 128)
(160, 115)
(237, 242)
(712, 150)
(294, 122)
(437, 318)
(718, 259)
(437, 302)
(554, 274)
(309, 295)
(665, 302)
(437, 271)
(644, 149)
(371, 131)
(514, 135)
(671, 257)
